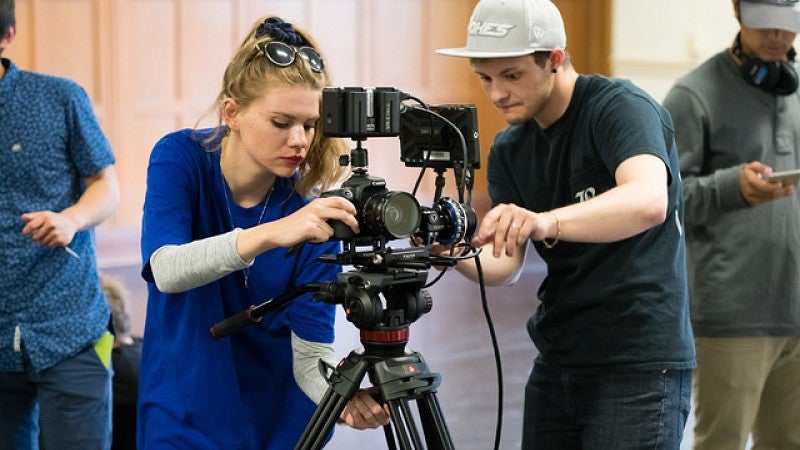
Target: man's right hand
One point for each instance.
(755, 190)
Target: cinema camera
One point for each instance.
(437, 137)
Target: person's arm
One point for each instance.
(96, 204)
(305, 359)
(178, 268)
(497, 271)
(637, 203)
(361, 412)
(720, 190)
(756, 190)
(308, 224)
(706, 195)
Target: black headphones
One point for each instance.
(775, 77)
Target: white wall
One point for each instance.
(656, 41)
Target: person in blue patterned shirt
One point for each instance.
(58, 182)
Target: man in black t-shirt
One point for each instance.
(588, 171)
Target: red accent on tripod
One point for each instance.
(384, 336)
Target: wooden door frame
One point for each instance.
(588, 25)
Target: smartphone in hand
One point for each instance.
(786, 176)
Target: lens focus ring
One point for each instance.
(393, 214)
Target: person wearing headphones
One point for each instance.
(587, 171)
(737, 119)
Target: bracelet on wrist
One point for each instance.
(553, 243)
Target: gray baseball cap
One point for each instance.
(779, 14)
(507, 28)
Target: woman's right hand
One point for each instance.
(309, 223)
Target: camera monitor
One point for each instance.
(426, 139)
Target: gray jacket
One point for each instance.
(743, 262)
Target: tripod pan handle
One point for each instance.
(233, 323)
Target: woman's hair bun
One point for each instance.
(279, 30)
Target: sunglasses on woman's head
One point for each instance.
(283, 55)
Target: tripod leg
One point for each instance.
(404, 378)
(436, 432)
(405, 429)
(322, 421)
(437, 435)
(344, 382)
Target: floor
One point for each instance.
(454, 340)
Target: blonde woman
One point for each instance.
(222, 208)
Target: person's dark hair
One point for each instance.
(737, 11)
(7, 16)
(541, 58)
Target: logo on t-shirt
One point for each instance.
(586, 194)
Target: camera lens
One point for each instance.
(458, 220)
(393, 214)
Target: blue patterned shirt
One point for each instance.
(51, 303)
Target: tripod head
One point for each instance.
(399, 275)
(359, 293)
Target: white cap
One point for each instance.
(507, 28)
(778, 14)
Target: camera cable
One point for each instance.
(496, 349)
(467, 253)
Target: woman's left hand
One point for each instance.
(363, 412)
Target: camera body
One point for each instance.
(381, 213)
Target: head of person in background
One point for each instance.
(126, 359)
(763, 48)
(118, 297)
(8, 23)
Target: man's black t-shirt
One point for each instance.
(609, 305)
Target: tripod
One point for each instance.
(399, 376)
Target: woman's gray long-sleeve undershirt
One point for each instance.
(178, 268)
